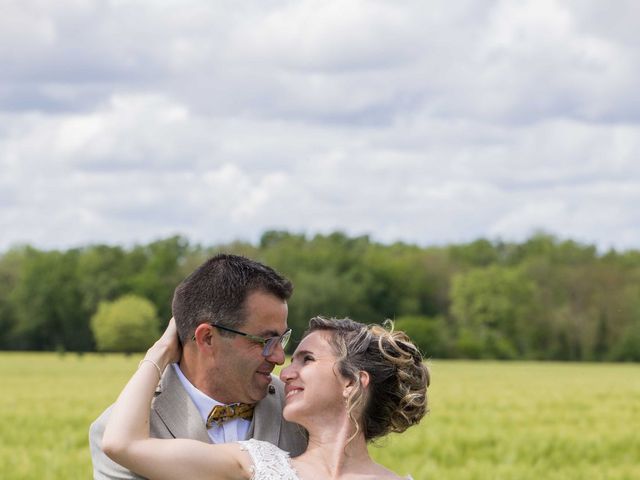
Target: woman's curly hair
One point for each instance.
(396, 397)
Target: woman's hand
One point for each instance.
(167, 348)
(171, 342)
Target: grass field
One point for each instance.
(488, 420)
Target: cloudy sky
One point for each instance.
(428, 122)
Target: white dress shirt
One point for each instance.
(231, 430)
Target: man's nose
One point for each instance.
(277, 356)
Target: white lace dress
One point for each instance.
(270, 462)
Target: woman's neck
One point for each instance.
(333, 453)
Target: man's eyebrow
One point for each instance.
(270, 333)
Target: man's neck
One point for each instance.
(195, 373)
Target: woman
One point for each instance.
(347, 384)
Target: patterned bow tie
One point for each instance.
(221, 413)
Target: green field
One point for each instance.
(488, 420)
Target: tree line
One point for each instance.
(544, 298)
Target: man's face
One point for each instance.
(242, 373)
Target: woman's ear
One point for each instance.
(363, 379)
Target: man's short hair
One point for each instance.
(216, 292)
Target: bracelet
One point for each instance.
(152, 363)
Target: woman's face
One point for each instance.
(314, 391)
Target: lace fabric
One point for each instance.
(269, 462)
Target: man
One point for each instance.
(231, 316)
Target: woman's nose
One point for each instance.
(287, 373)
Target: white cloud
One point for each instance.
(328, 36)
(123, 122)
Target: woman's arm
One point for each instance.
(126, 437)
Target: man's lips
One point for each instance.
(265, 371)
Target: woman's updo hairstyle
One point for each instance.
(396, 397)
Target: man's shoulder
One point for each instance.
(169, 384)
(103, 467)
(277, 384)
(275, 396)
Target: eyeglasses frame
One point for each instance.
(283, 339)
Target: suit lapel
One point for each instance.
(176, 410)
(267, 418)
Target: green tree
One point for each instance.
(50, 310)
(544, 245)
(159, 271)
(496, 304)
(479, 253)
(627, 349)
(11, 268)
(543, 298)
(430, 334)
(626, 344)
(328, 294)
(102, 274)
(468, 344)
(128, 324)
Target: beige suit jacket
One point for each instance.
(173, 415)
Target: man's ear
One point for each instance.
(204, 336)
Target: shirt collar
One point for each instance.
(203, 402)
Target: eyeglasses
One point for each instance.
(268, 344)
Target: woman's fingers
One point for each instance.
(170, 341)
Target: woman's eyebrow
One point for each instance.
(302, 353)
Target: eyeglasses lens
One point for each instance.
(271, 343)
